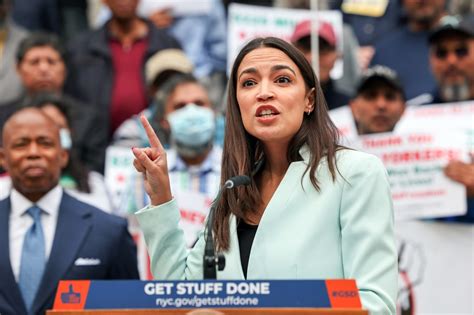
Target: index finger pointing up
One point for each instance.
(152, 137)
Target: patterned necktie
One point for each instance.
(32, 258)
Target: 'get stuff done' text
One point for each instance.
(206, 288)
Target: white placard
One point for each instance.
(121, 178)
(177, 7)
(415, 163)
(457, 116)
(344, 121)
(247, 22)
(438, 258)
(193, 207)
(118, 176)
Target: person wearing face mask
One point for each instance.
(192, 129)
(80, 182)
(186, 122)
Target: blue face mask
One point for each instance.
(192, 129)
(65, 138)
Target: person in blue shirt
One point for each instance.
(406, 50)
(203, 37)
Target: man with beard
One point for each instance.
(406, 49)
(380, 101)
(452, 63)
(452, 60)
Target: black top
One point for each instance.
(246, 234)
(334, 98)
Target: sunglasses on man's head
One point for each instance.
(460, 52)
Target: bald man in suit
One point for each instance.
(45, 234)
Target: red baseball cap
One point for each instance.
(325, 31)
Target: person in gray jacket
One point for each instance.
(10, 37)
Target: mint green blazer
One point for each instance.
(343, 231)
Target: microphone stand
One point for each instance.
(210, 259)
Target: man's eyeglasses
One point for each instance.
(460, 52)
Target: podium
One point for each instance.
(125, 297)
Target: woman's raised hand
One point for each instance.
(151, 161)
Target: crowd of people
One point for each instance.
(80, 77)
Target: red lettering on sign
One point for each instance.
(192, 216)
(422, 155)
(377, 143)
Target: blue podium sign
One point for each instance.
(133, 294)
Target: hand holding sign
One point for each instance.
(152, 163)
(462, 173)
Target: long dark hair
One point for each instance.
(242, 151)
(75, 167)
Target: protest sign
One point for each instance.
(458, 116)
(344, 121)
(128, 192)
(176, 7)
(415, 163)
(436, 259)
(118, 173)
(247, 22)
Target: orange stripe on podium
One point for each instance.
(343, 294)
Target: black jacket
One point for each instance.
(334, 98)
(91, 70)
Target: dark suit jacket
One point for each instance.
(82, 232)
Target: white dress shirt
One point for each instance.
(20, 221)
(99, 196)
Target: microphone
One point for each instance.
(210, 259)
(236, 181)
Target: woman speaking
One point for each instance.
(312, 210)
